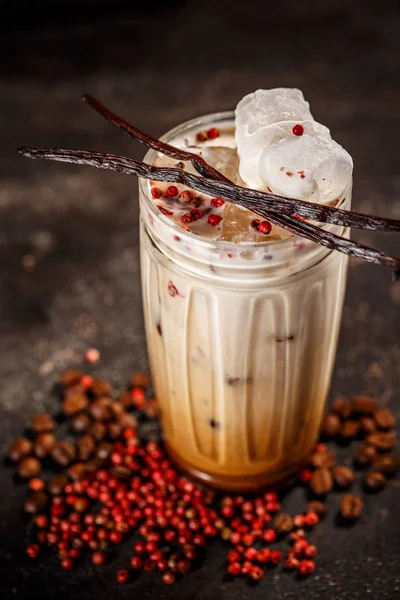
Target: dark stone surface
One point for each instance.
(69, 272)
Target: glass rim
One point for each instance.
(188, 235)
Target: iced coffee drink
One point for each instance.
(242, 318)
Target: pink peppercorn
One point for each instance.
(269, 535)
(214, 220)
(156, 192)
(172, 190)
(212, 133)
(298, 129)
(217, 202)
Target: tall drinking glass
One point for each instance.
(241, 339)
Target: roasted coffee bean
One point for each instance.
(114, 430)
(365, 455)
(56, 484)
(98, 430)
(80, 423)
(343, 476)
(74, 390)
(316, 506)
(29, 467)
(117, 408)
(383, 441)
(342, 408)
(100, 409)
(122, 473)
(326, 458)
(74, 404)
(101, 387)
(42, 422)
(76, 471)
(151, 409)
(384, 418)
(351, 507)
(128, 420)
(36, 503)
(92, 465)
(350, 430)
(19, 449)
(388, 464)
(363, 405)
(140, 379)
(44, 444)
(70, 377)
(321, 481)
(126, 400)
(103, 450)
(374, 481)
(367, 425)
(283, 523)
(86, 447)
(331, 426)
(63, 453)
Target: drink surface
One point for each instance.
(276, 145)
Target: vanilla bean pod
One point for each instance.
(213, 187)
(287, 206)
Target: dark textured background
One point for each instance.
(68, 236)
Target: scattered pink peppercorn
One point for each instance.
(36, 484)
(212, 133)
(32, 550)
(233, 556)
(298, 520)
(214, 220)
(311, 519)
(86, 381)
(275, 557)
(67, 564)
(298, 129)
(187, 218)
(156, 192)
(310, 551)
(256, 573)
(98, 558)
(307, 567)
(138, 397)
(172, 190)
(122, 576)
(250, 553)
(305, 475)
(263, 555)
(168, 578)
(269, 535)
(299, 546)
(186, 195)
(196, 213)
(264, 227)
(92, 356)
(292, 562)
(216, 202)
(246, 567)
(136, 562)
(234, 568)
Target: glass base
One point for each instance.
(234, 483)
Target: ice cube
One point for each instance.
(265, 117)
(264, 107)
(236, 226)
(225, 160)
(313, 168)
